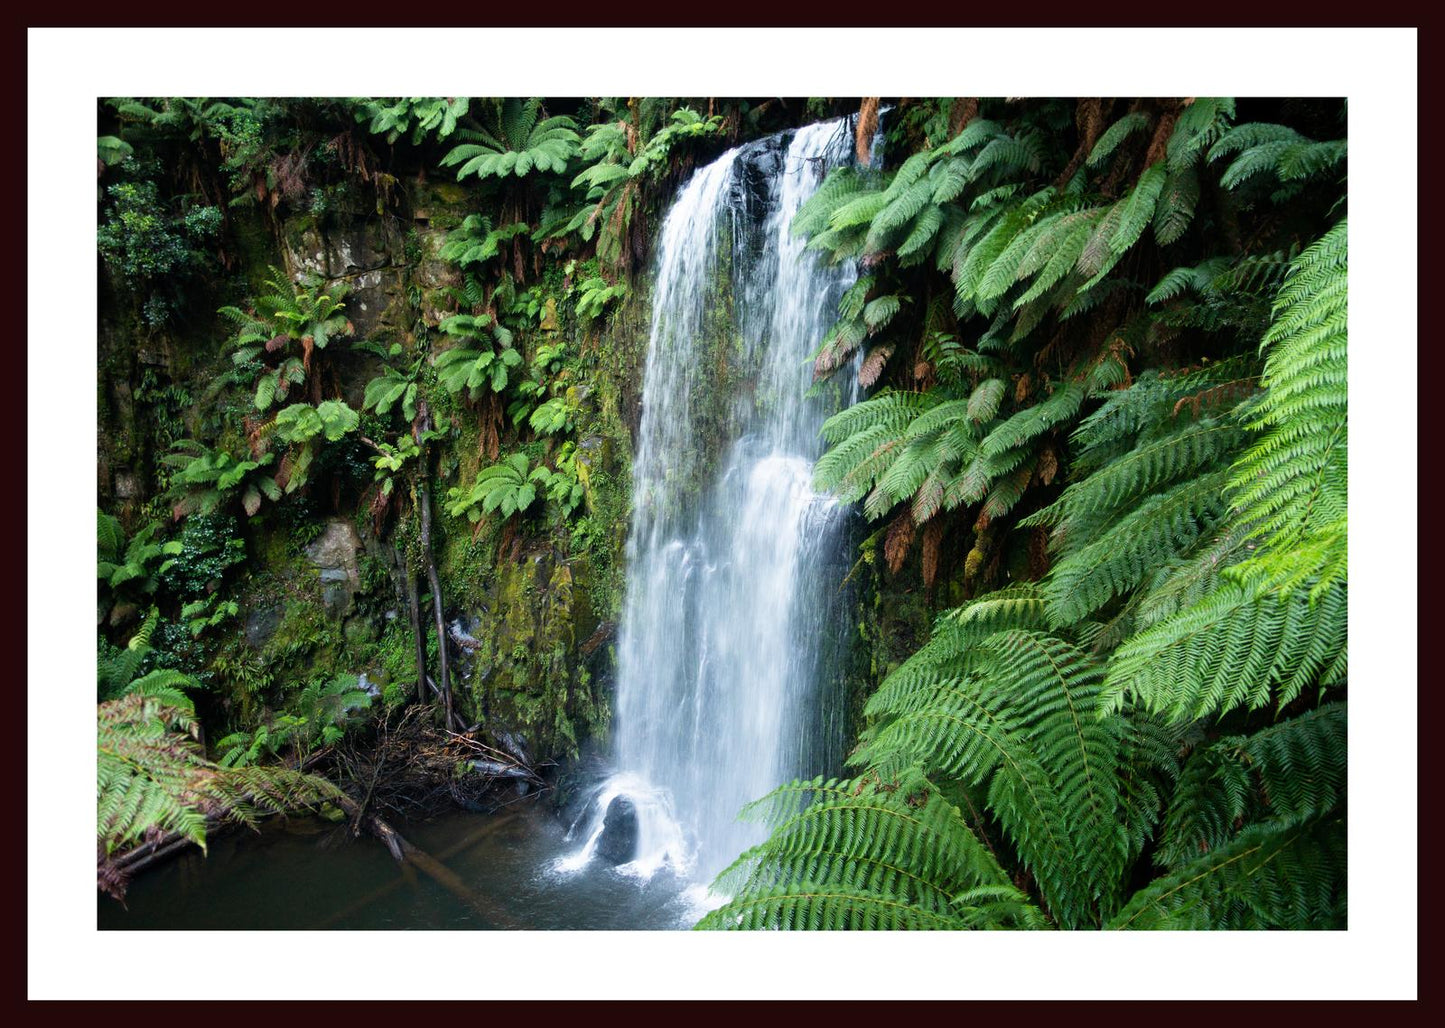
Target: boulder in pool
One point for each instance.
(618, 843)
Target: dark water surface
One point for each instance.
(307, 874)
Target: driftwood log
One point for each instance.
(405, 853)
(409, 878)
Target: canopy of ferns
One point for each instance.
(1107, 342)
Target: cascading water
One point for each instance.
(733, 559)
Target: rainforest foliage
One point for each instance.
(1107, 346)
(369, 372)
(368, 382)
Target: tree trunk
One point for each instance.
(413, 610)
(424, 424)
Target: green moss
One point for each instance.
(538, 588)
(394, 659)
(304, 632)
(448, 192)
(526, 672)
(255, 246)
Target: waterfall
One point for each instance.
(733, 561)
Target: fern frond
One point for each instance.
(1237, 647)
(1134, 121)
(825, 908)
(897, 212)
(1098, 566)
(1034, 421)
(1146, 468)
(1182, 582)
(924, 229)
(974, 259)
(1175, 209)
(110, 537)
(1021, 720)
(866, 853)
(1138, 207)
(1290, 772)
(1065, 246)
(1295, 477)
(1199, 126)
(1288, 877)
(814, 215)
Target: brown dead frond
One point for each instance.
(1038, 553)
(1048, 466)
(1088, 117)
(867, 125)
(965, 109)
(898, 541)
(1159, 143)
(283, 471)
(1226, 394)
(490, 438)
(378, 506)
(932, 543)
(873, 364)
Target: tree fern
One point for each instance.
(864, 853)
(507, 487)
(475, 241)
(1237, 647)
(1290, 772)
(1195, 560)
(1270, 876)
(522, 145)
(1016, 715)
(1293, 480)
(472, 367)
(152, 779)
(416, 116)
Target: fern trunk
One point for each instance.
(424, 425)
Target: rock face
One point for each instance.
(261, 625)
(525, 602)
(334, 556)
(519, 659)
(618, 843)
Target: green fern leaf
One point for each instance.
(1138, 207)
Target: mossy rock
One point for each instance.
(526, 669)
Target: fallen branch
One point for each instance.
(408, 877)
(404, 852)
(497, 757)
(114, 872)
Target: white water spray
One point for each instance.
(733, 559)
